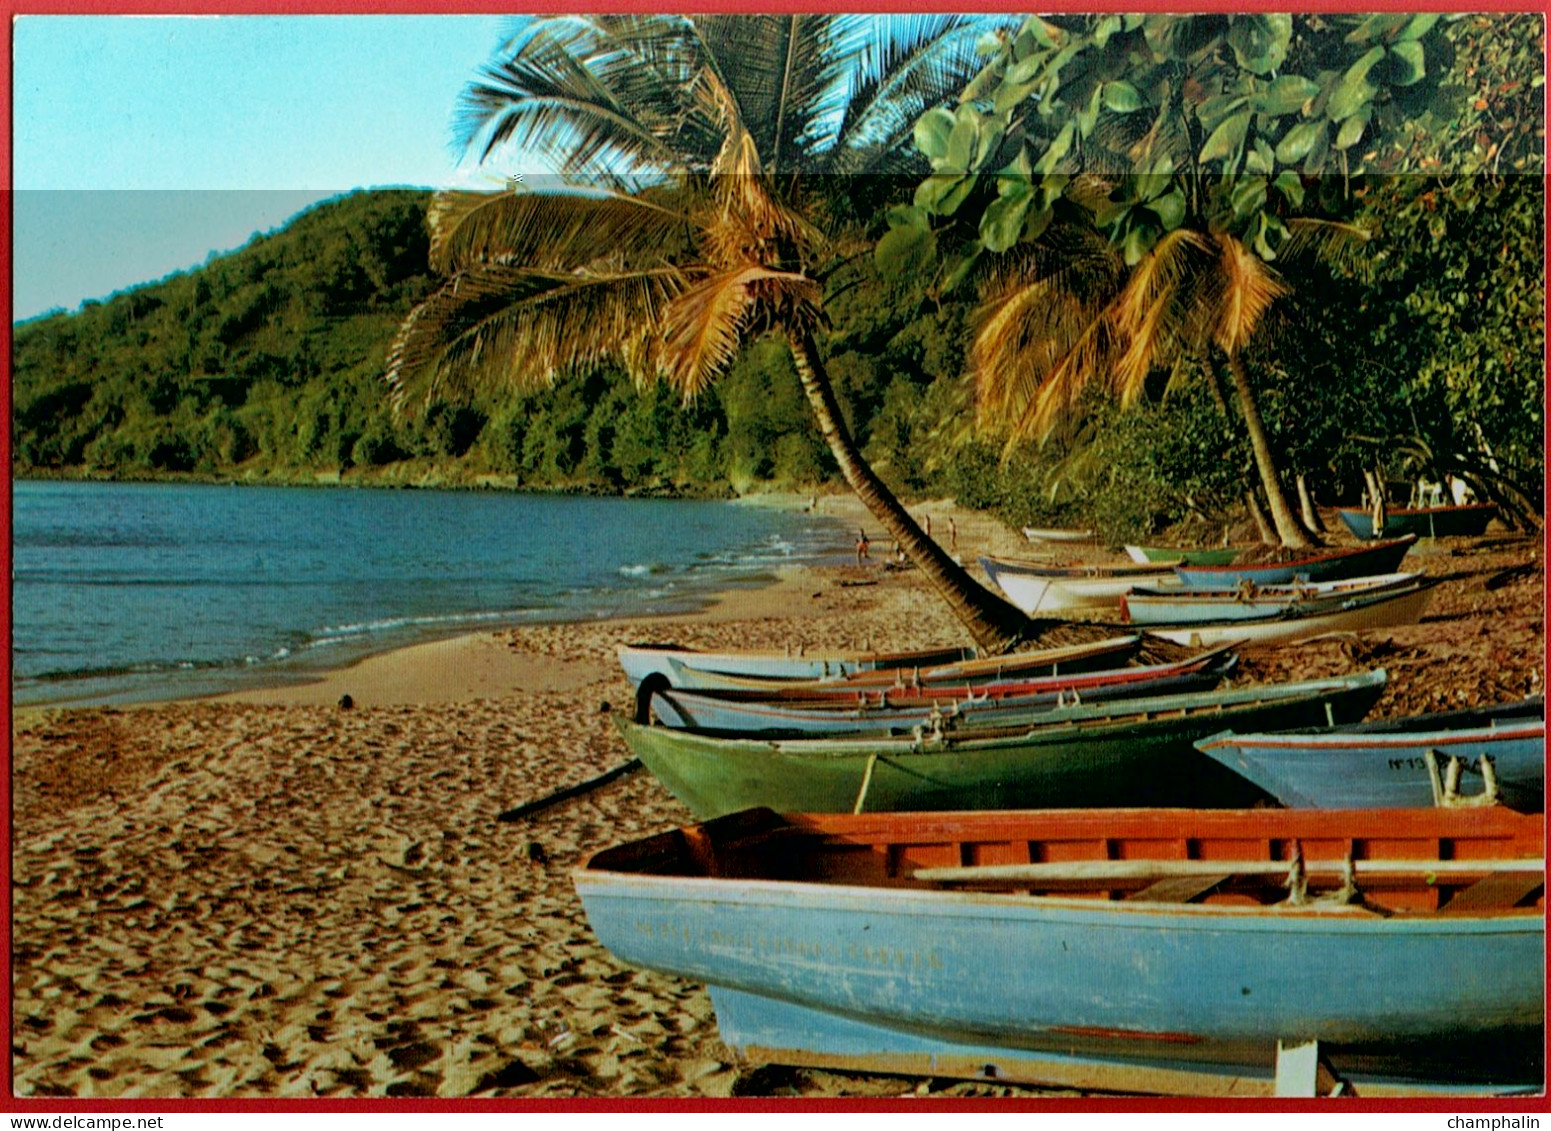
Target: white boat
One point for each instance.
(1182, 604)
(1385, 609)
(1038, 590)
(1038, 534)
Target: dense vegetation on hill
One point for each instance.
(266, 365)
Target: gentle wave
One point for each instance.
(338, 632)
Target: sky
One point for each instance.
(143, 144)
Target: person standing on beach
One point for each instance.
(861, 545)
(953, 534)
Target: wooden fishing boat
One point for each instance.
(641, 661)
(1465, 520)
(1396, 763)
(1183, 604)
(1046, 534)
(1220, 555)
(849, 695)
(1326, 565)
(1096, 656)
(1386, 608)
(1127, 752)
(998, 705)
(1171, 951)
(1044, 589)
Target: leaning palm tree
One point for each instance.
(685, 151)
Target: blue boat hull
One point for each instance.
(1352, 770)
(1363, 562)
(768, 1030)
(1425, 522)
(837, 968)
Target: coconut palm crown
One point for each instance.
(674, 219)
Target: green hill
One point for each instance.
(265, 365)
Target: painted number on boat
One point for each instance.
(1471, 764)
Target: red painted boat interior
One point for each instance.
(885, 850)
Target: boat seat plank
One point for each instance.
(1501, 890)
(1178, 889)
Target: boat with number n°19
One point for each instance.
(1038, 589)
(1396, 763)
(1325, 565)
(1185, 604)
(1126, 752)
(1466, 520)
(901, 710)
(1217, 555)
(1386, 608)
(1165, 951)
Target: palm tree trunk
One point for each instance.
(995, 624)
(1311, 519)
(1258, 513)
(1287, 526)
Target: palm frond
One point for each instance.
(755, 224)
(1080, 366)
(1341, 245)
(551, 231)
(704, 326)
(1247, 289)
(523, 327)
(1148, 319)
(582, 96)
(1039, 323)
(778, 68)
(905, 65)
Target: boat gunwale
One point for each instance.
(822, 655)
(875, 678)
(929, 902)
(1336, 740)
(1452, 508)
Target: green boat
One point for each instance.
(1222, 555)
(1134, 752)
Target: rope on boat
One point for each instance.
(527, 809)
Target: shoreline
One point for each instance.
(477, 665)
(473, 664)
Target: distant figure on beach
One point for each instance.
(813, 504)
(928, 525)
(861, 545)
(953, 534)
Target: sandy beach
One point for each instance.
(271, 894)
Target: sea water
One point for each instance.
(125, 592)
